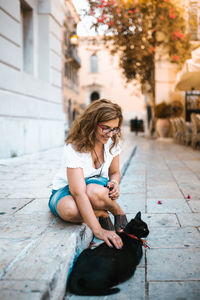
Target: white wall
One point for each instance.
(31, 115)
(165, 77)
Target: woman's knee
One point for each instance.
(97, 194)
(68, 210)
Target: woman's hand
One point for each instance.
(114, 191)
(109, 236)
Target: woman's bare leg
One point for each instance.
(99, 199)
(68, 210)
(101, 203)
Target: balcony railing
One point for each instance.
(72, 56)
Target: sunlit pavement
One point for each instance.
(162, 180)
(37, 248)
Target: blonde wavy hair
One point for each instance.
(83, 130)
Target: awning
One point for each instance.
(189, 81)
(189, 78)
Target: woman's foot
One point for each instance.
(106, 223)
(120, 222)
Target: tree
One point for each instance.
(140, 29)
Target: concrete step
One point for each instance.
(37, 248)
(41, 256)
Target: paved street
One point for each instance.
(166, 172)
(37, 248)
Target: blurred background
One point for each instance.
(57, 56)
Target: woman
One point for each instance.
(86, 186)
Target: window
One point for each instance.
(67, 70)
(71, 73)
(93, 63)
(192, 104)
(27, 36)
(194, 20)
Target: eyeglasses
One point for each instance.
(106, 130)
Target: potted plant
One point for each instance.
(162, 114)
(163, 111)
(176, 109)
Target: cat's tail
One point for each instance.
(79, 288)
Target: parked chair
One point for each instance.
(175, 132)
(195, 118)
(182, 131)
(187, 132)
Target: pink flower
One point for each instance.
(172, 16)
(130, 12)
(91, 13)
(176, 57)
(151, 49)
(117, 11)
(101, 20)
(110, 23)
(181, 35)
(178, 34)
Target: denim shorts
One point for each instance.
(56, 195)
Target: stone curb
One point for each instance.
(84, 240)
(54, 248)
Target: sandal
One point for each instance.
(120, 222)
(106, 223)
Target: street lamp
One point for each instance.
(74, 39)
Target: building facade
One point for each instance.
(71, 65)
(31, 110)
(193, 18)
(166, 72)
(100, 76)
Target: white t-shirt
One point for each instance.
(74, 159)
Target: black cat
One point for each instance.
(97, 270)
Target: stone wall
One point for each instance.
(31, 114)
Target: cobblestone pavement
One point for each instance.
(163, 182)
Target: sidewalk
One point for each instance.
(36, 247)
(163, 171)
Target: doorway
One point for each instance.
(94, 96)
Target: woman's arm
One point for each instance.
(114, 178)
(77, 188)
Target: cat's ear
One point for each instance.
(138, 216)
